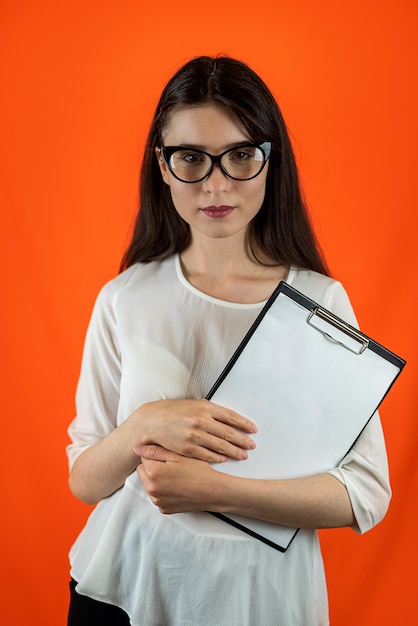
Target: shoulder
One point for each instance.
(137, 279)
(326, 291)
(123, 298)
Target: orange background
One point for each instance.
(78, 85)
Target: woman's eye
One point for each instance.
(191, 158)
(242, 155)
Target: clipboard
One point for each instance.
(311, 382)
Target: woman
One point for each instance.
(221, 222)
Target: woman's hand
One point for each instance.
(194, 428)
(177, 484)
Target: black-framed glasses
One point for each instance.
(241, 163)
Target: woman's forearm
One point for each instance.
(319, 501)
(176, 484)
(103, 468)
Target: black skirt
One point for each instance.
(84, 611)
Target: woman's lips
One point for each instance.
(217, 211)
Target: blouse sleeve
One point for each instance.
(364, 470)
(97, 396)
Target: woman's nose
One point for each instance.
(217, 180)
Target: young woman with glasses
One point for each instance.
(221, 222)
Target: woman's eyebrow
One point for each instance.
(230, 146)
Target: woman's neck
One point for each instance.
(230, 272)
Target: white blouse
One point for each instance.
(154, 336)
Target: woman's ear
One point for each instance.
(162, 165)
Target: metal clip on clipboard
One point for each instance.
(337, 330)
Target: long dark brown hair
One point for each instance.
(281, 229)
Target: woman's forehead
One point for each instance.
(204, 126)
